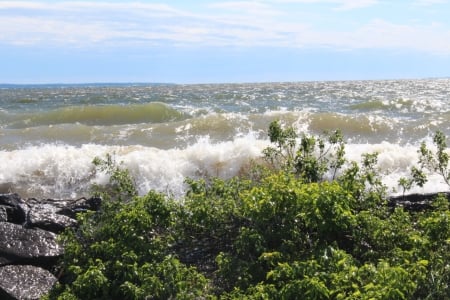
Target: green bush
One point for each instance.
(310, 157)
(286, 234)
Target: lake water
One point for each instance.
(49, 135)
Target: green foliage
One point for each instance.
(127, 255)
(432, 161)
(439, 161)
(121, 185)
(286, 235)
(429, 161)
(310, 158)
(417, 177)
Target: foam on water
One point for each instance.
(163, 134)
(395, 161)
(60, 171)
(63, 171)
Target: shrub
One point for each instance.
(289, 234)
(310, 157)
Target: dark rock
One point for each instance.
(4, 261)
(25, 282)
(415, 202)
(45, 216)
(10, 199)
(31, 246)
(56, 215)
(14, 207)
(83, 204)
(28, 242)
(3, 214)
(71, 207)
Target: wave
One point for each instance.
(155, 112)
(400, 105)
(382, 105)
(369, 105)
(218, 127)
(352, 124)
(63, 171)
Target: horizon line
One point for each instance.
(99, 83)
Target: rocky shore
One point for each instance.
(29, 250)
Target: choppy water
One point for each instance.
(164, 133)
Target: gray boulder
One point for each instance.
(24, 282)
(56, 215)
(33, 246)
(70, 207)
(416, 202)
(47, 217)
(28, 242)
(3, 214)
(12, 208)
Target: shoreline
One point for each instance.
(30, 229)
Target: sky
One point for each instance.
(217, 41)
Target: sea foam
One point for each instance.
(64, 171)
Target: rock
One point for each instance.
(4, 261)
(3, 214)
(56, 215)
(25, 282)
(32, 246)
(14, 207)
(71, 207)
(415, 202)
(45, 216)
(84, 204)
(28, 242)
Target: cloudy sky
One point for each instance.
(209, 41)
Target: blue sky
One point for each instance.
(212, 41)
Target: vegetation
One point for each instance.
(281, 232)
(431, 162)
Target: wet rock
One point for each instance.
(71, 207)
(25, 282)
(13, 207)
(28, 242)
(3, 214)
(83, 204)
(47, 217)
(4, 261)
(32, 246)
(415, 202)
(56, 215)
(68, 207)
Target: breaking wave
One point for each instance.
(104, 115)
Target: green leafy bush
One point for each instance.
(289, 234)
(310, 157)
(123, 251)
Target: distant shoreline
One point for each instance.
(128, 84)
(92, 84)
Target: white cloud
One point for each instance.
(83, 23)
(380, 34)
(430, 2)
(23, 4)
(236, 23)
(339, 4)
(352, 4)
(36, 30)
(74, 5)
(254, 8)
